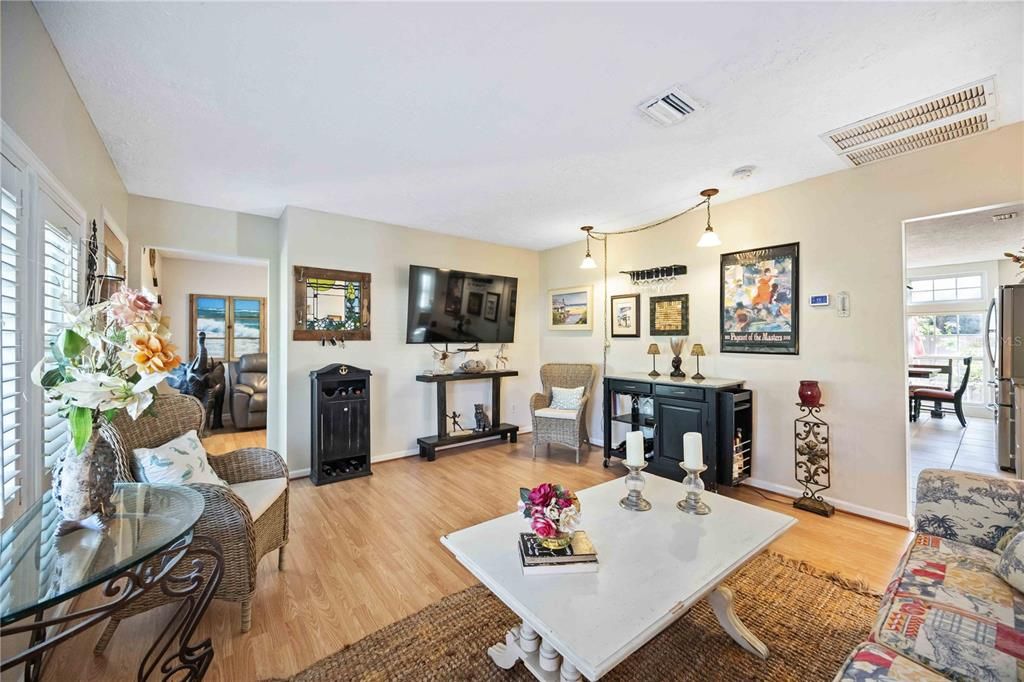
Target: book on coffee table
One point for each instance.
(579, 557)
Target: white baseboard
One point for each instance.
(375, 459)
(788, 491)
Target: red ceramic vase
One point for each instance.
(810, 394)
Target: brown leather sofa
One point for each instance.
(249, 392)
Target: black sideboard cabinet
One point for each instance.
(340, 423)
(718, 409)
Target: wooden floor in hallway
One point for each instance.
(944, 444)
(365, 553)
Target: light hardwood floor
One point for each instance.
(365, 553)
(944, 444)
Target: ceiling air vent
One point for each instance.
(1000, 217)
(670, 107)
(967, 110)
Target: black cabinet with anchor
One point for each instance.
(340, 423)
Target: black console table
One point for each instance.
(429, 444)
(719, 409)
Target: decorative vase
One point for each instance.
(810, 394)
(557, 541)
(83, 484)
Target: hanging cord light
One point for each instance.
(709, 238)
(588, 262)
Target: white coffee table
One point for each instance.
(654, 566)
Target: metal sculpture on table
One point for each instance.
(204, 380)
(812, 468)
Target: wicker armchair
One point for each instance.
(568, 430)
(226, 517)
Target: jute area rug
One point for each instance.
(810, 621)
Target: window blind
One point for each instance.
(11, 399)
(60, 284)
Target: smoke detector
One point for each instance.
(743, 172)
(670, 107)
(1000, 217)
(961, 112)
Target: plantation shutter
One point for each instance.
(60, 285)
(12, 373)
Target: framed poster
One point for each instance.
(760, 311)
(571, 309)
(474, 303)
(625, 315)
(491, 306)
(670, 315)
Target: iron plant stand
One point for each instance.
(812, 469)
(189, 570)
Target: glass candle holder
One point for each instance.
(694, 487)
(634, 499)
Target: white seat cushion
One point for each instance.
(259, 495)
(555, 413)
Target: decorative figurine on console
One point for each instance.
(456, 426)
(483, 422)
(676, 343)
(472, 367)
(500, 359)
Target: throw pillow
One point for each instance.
(182, 460)
(1010, 566)
(1009, 535)
(566, 398)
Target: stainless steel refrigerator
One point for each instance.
(1004, 350)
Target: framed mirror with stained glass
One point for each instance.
(331, 304)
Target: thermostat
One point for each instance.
(820, 300)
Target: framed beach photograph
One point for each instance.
(491, 304)
(760, 297)
(625, 316)
(670, 315)
(571, 309)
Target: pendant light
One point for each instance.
(709, 238)
(588, 260)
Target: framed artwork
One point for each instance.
(670, 315)
(760, 296)
(491, 306)
(331, 304)
(453, 294)
(625, 315)
(571, 309)
(474, 303)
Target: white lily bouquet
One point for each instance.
(110, 357)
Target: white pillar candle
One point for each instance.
(693, 450)
(635, 448)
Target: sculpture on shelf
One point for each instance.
(454, 416)
(472, 367)
(812, 466)
(500, 359)
(204, 380)
(676, 343)
(483, 422)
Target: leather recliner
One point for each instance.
(249, 392)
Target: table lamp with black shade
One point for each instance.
(697, 351)
(654, 352)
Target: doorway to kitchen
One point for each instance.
(960, 289)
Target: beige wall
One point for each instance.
(182, 277)
(849, 225)
(40, 103)
(402, 409)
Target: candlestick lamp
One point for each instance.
(697, 351)
(654, 351)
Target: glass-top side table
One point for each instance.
(144, 548)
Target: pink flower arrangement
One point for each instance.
(129, 306)
(551, 509)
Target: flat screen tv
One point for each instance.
(452, 306)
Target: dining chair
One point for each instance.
(941, 397)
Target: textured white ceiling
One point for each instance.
(964, 238)
(513, 123)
